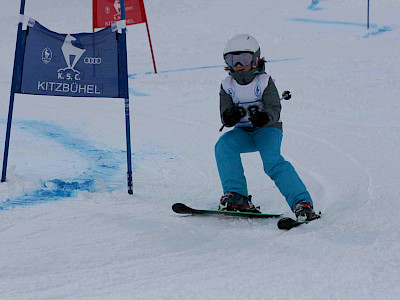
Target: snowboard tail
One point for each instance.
(181, 208)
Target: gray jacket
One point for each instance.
(271, 105)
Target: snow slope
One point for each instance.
(69, 230)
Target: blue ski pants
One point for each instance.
(267, 141)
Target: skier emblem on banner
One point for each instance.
(72, 54)
(47, 55)
(117, 6)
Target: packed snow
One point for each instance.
(70, 230)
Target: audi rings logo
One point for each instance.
(92, 60)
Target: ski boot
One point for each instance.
(232, 201)
(304, 212)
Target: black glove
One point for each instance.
(258, 118)
(231, 116)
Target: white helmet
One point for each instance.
(241, 43)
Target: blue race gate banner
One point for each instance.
(73, 65)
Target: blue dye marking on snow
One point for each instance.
(282, 60)
(133, 75)
(59, 191)
(331, 22)
(134, 92)
(104, 165)
(314, 5)
(137, 93)
(378, 30)
(67, 188)
(374, 27)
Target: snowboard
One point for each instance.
(181, 208)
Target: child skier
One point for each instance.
(249, 102)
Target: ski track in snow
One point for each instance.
(355, 168)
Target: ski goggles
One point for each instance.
(243, 58)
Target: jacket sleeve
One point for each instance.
(225, 101)
(272, 102)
